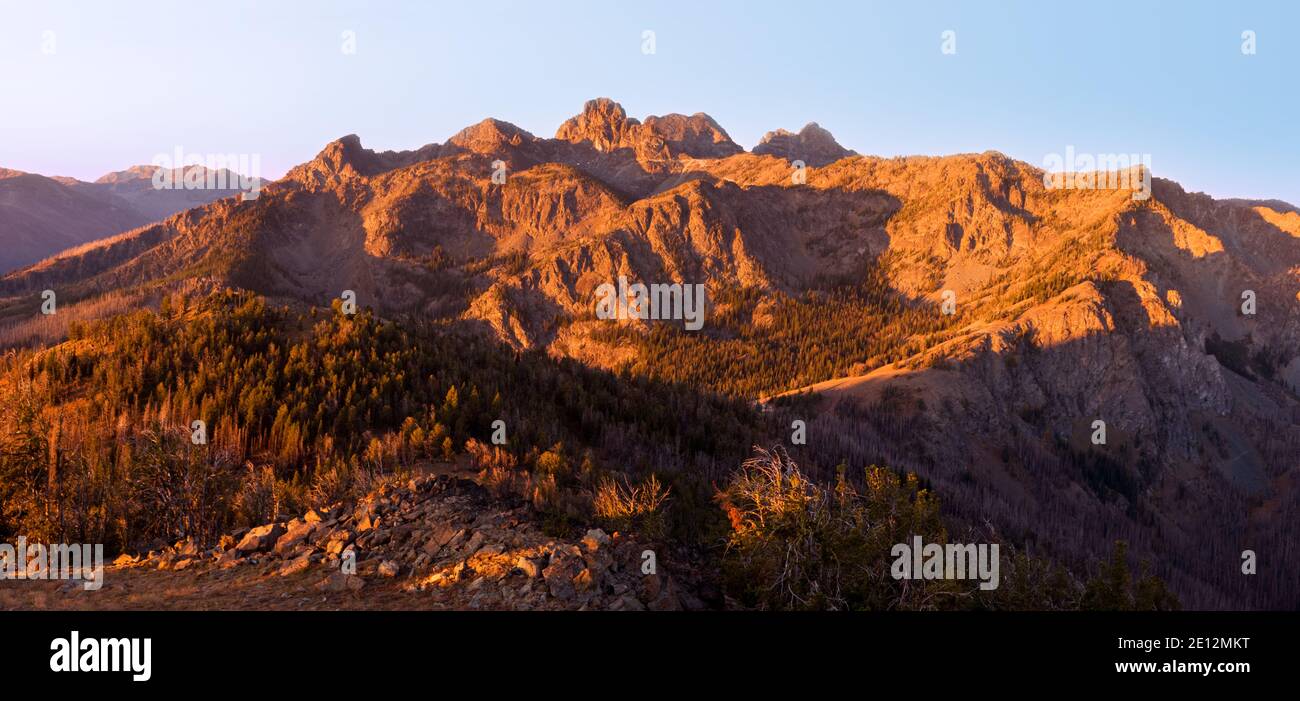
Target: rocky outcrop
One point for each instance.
(813, 145)
(447, 540)
(605, 125)
(602, 123)
(697, 136)
(345, 158)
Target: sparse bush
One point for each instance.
(177, 490)
(257, 502)
(291, 496)
(796, 545)
(561, 508)
(332, 482)
(553, 463)
(627, 507)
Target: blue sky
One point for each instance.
(127, 80)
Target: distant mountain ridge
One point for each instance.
(40, 215)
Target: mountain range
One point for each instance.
(952, 316)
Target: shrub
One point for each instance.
(553, 463)
(628, 507)
(256, 502)
(561, 508)
(177, 491)
(797, 545)
(332, 482)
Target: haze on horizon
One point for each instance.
(92, 88)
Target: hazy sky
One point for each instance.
(91, 87)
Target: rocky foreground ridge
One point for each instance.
(447, 540)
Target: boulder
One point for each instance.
(584, 581)
(296, 565)
(627, 603)
(341, 582)
(337, 541)
(475, 542)
(651, 585)
(441, 536)
(531, 568)
(187, 548)
(366, 522)
(260, 539)
(299, 530)
(559, 576)
(595, 539)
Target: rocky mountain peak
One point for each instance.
(602, 122)
(698, 135)
(342, 158)
(138, 172)
(346, 153)
(1073, 304)
(491, 135)
(605, 125)
(812, 145)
